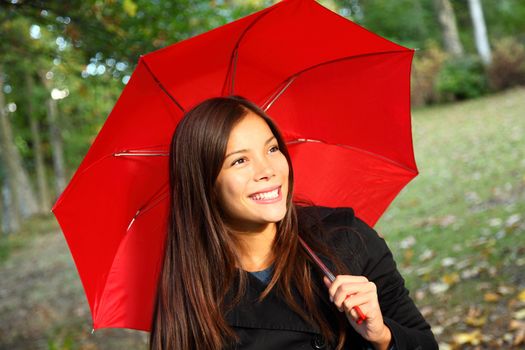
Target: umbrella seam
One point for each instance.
(414, 171)
(157, 198)
(336, 60)
(74, 180)
(143, 61)
(234, 56)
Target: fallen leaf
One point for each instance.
(450, 278)
(491, 297)
(472, 338)
(519, 337)
(470, 273)
(426, 255)
(407, 242)
(513, 325)
(407, 256)
(521, 296)
(519, 315)
(445, 346)
(475, 321)
(505, 290)
(446, 262)
(512, 220)
(420, 294)
(424, 270)
(437, 330)
(475, 317)
(438, 287)
(495, 222)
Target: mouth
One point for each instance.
(270, 196)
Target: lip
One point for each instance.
(265, 190)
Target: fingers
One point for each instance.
(348, 291)
(354, 300)
(345, 279)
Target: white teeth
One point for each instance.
(267, 195)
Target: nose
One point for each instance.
(264, 170)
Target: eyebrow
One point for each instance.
(245, 150)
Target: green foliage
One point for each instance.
(425, 70)
(407, 22)
(507, 68)
(462, 78)
(68, 343)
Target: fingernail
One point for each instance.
(331, 299)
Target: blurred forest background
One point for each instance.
(455, 230)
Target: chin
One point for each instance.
(274, 216)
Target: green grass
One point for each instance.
(468, 201)
(36, 225)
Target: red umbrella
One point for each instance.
(339, 93)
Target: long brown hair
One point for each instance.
(200, 260)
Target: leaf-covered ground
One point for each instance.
(457, 229)
(456, 232)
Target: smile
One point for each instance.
(268, 197)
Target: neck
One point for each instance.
(256, 247)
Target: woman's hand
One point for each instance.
(348, 291)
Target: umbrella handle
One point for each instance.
(330, 276)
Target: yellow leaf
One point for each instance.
(475, 321)
(521, 296)
(130, 8)
(407, 256)
(491, 297)
(451, 278)
(472, 338)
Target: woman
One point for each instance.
(234, 274)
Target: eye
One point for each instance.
(238, 161)
(274, 148)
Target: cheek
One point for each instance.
(283, 166)
(230, 189)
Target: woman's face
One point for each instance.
(252, 185)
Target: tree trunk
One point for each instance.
(480, 31)
(3, 226)
(8, 152)
(447, 21)
(4, 220)
(41, 180)
(55, 139)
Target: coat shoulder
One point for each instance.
(348, 235)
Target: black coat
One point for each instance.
(271, 324)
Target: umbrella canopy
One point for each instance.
(339, 93)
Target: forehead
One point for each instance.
(250, 129)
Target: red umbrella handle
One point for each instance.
(330, 276)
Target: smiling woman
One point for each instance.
(234, 275)
(252, 185)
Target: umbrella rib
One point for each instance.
(160, 85)
(288, 81)
(278, 93)
(235, 53)
(388, 160)
(125, 153)
(135, 154)
(152, 202)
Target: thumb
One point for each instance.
(327, 282)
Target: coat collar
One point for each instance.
(273, 312)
